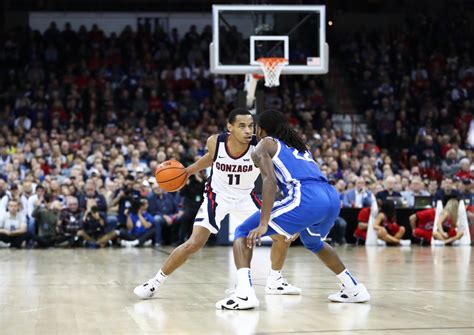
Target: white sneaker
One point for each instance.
(281, 287)
(146, 290)
(235, 302)
(129, 244)
(356, 293)
(438, 243)
(456, 243)
(405, 243)
(381, 243)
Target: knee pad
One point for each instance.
(312, 243)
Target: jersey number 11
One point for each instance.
(233, 177)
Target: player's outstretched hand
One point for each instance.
(255, 236)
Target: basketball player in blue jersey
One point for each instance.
(309, 208)
(229, 190)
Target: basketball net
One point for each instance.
(271, 68)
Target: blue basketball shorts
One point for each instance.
(310, 209)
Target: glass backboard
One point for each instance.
(244, 33)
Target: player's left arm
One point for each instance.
(262, 157)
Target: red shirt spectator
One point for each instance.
(465, 172)
(363, 222)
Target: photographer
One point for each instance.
(46, 215)
(91, 197)
(70, 223)
(139, 225)
(94, 228)
(124, 198)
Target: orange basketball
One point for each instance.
(171, 175)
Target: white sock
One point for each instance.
(160, 277)
(347, 279)
(244, 278)
(274, 274)
(244, 283)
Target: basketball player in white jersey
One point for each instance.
(229, 190)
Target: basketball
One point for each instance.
(171, 175)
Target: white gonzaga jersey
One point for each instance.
(232, 177)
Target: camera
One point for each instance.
(135, 207)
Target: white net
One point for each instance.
(271, 69)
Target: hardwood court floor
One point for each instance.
(414, 291)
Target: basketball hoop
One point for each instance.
(272, 67)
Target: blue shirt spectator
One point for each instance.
(359, 196)
(138, 226)
(161, 203)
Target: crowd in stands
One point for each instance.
(86, 118)
(415, 85)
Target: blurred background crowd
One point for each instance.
(86, 118)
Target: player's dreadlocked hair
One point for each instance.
(276, 125)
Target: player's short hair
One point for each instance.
(234, 113)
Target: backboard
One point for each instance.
(244, 33)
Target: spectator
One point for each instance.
(450, 165)
(4, 196)
(465, 170)
(359, 196)
(389, 189)
(139, 225)
(163, 208)
(38, 195)
(341, 190)
(416, 189)
(466, 191)
(13, 228)
(337, 234)
(432, 188)
(428, 152)
(192, 195)
(112, 210)
(446, 191)
(15, 194)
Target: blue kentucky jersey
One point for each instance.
(292, 166)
